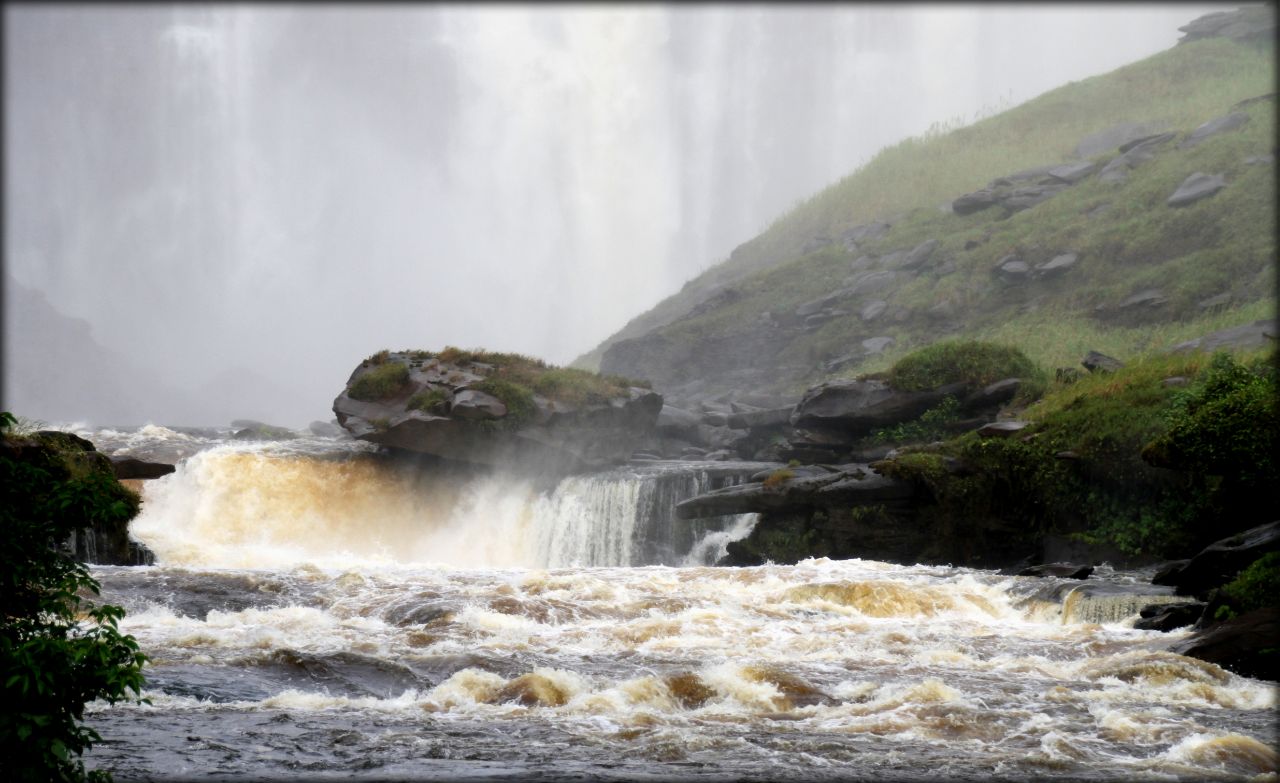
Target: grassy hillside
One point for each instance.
(1125, 236)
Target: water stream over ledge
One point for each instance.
(317, 614)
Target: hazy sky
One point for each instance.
(250, 199)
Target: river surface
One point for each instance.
(318, 613)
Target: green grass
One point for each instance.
(970, 362)
(383, 381)
(428, 401)
(1222, 245)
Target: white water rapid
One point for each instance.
(318, 613)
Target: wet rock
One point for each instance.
(1221, 561)
(851, 486)
(679, 423)
(1196, 187)
(1012, 268)
(874, 345)
(993, 394)
(1214, 127)
(260, 431)
(1030, 195)
(1142, 150)
(1245, 645)
(1260, 160)
(978, 200)
(1251, 335)
(554, 437)
(1176, 381)
(919, 255)
(1214, 301)
(1071, 173)
(870, 282)
(1056, 265)
(859, 235)
(1112, 138)
(1242, 24)
(1001, 429)
(873, 310)
(1146, 299)
(716, 418)
(1166, 617)
(325, 429)
(861, 405)
(815, 306)
(1095, 361)
(861, 263)
(133, 468)
(1167, 573)
(1060, 570)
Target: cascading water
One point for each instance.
(316, 610)
(261, 505)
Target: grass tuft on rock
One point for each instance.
(379, 383)
(972, 362)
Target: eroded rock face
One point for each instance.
(436, 411)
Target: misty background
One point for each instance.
(215, 212)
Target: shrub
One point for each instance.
(379, 383)
(58, 651)
(1223, 425)
(428, 400)
(930, 425)
(972, 362)
(517, 398)
(1255, 587)
(778, 478)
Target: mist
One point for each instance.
(242, 202)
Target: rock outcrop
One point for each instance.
(1219, 562)
(497, 409)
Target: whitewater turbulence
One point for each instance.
(258, 506)
(319, 610)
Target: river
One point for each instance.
(318, 612)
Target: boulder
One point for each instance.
(856, 485)
(1251, 335)
(873, 309)
(874, 345)
(472, 404)
(1111, 138)
(134, 468)
(1001, 429)
(1213, 127)
(870, 282)
(1029, 195)
(993, 394)
(1094, 361)
(776, 417)
(1012, 268)
(861, 405)
(1138, 152)
(1196, 187)
(542, 435)
(1060, 570)
(324, 429)
(260, 431)
(859, 235)
(1166, 617)
(679, 423)
(1056, 265)
(1219, 562)
(1071, 173)
(1241, 24)
(919, 255)
(1245, 645)
(1146, 299)
(976, 201)
(1211, 302)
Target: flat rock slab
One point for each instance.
(1239, 644)
(1196, 187)
(852, 486)
(1214, 127)
(1057, 265)
(134, 468)
(1096, 361)
(1002, 429)
(1060, 570)
(1251, 335)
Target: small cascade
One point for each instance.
(627, 517)
(1068, 601)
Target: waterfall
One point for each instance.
(627, 518)
(265, 505)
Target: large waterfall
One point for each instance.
(518, 178)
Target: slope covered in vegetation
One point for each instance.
(1104, 263)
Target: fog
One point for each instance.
(242, 202)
